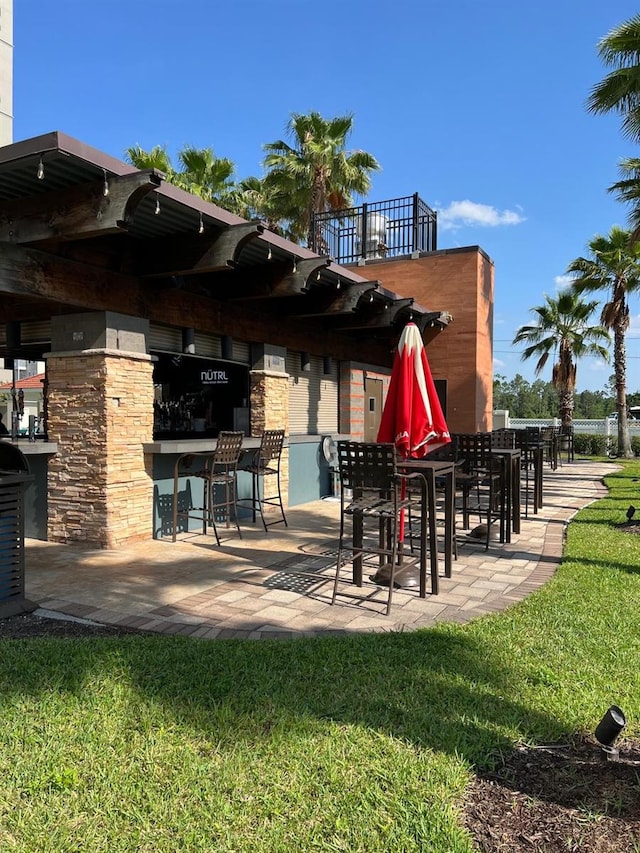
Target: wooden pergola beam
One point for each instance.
(102, 207)
(193, 254)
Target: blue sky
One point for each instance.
(477, 106)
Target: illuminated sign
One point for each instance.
(214, 377)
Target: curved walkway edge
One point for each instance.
(278, 585)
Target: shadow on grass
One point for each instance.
(439, 688)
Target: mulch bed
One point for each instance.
(554, 798)
(29, 625)
(558, 797)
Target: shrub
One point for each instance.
(587, 444)
(596, 445)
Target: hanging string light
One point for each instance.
(157, 208)
(40, 172)
(105, 187)
(269, 253)
(201, 226)
(338, 284)
(295, 264)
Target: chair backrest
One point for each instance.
(445, 452)
(270, 446)
(475, 450)
(365, 465)
(228, 448)
(503, 438)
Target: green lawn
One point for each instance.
(164, 744)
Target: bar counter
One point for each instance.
(37, 455)
(193, 445)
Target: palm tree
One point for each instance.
(563, 329)
(202, 173)
(619, 92)
(157, 158)
(254, 201)
(316, 173)
(614, 266)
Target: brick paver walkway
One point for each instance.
(250, 588)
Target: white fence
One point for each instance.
(602, 426)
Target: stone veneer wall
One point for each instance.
(100, 411)
(270, 410)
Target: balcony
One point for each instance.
(383, 229)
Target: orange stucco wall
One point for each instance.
(460, 281)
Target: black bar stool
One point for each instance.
(264, 464)
(375, 505)
(483, 475)
(217, 471)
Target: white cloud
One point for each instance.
(563, 281)
(497, 362)
(461, 213)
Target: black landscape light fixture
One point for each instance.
(631, 512)
(305, 361)
(326, 365)
(608, 730)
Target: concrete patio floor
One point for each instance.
(249, 588)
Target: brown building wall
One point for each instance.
(460, 281)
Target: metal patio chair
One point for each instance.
(372, 498)
(264, 467)
(481, 474)
(217, 471)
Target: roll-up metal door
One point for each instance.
(31, 332)
(165, 338)
(169, 339)
(313, 396)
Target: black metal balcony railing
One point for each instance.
(382, 229)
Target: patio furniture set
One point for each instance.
(390, 506)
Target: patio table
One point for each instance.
(430, 469)
(533, 450)
(511, 460)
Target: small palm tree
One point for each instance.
(316, 173)
(614, 266)
(563, 329)
(202, 173)
(156, 158)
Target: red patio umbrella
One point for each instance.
(412, 417)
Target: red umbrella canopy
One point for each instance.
(412, 417)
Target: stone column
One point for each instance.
(270, 410)
(99, 412)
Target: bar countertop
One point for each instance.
(33, 448)
(192, 445)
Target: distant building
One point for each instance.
(6, 72)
